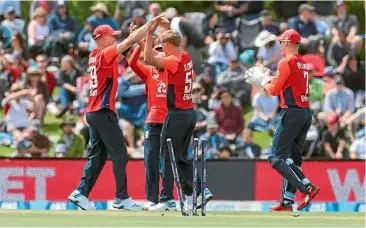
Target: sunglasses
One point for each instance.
(41, 61)
(99, 35)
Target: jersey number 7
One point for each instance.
(306, 75)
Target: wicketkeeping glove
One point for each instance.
(256, 76)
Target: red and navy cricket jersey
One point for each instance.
(180, 83)
(103, 79)
(291, 82)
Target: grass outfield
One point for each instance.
(18, 218)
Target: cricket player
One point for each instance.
(156, 90)
(181, 117)
(291, 83)
(105, 134)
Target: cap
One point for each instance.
(68, 122)
(104, 30)
(264, 13)
(100, 6)
(10, 9)
(138, 12)
(61, 3)
(291, 36)
(339, 3)
(332, 119)
(306, 7)
(338, 79)
(34, 70)
(212, 124)
(263, 38)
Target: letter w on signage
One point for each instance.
(351, 182)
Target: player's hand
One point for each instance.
(153, 28)
(256, 76)
(133, 27)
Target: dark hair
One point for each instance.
(20, 39)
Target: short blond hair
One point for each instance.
(170, 37)
(39, 12)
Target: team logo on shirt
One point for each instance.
(161, 89)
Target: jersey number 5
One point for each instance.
(189, 81)
(306, 76)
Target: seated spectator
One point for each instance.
(358, 148)
(229, 117)
(69, 144)
(22, 150)
(268, 24)
(39, 92)
(340, 101)
(13, 23)
(233, 79)
(198, 95)
(247, 148)
(305, 25)
(269, 53)
(38, 29)
(48, 77)
(41, 143)
(13, 65)
(322, 27)
(338, 49)
(265, 109)
(334, 139)
(154, 11)
(61, 24)
(230, 11)
(201, 117)
(210, 25)
(221, 51)
(18, 106)
(138, 18)
(214, 139)
(48, 6)
(18, 48)
(354, 77)
(4, 5)
(68, 76)
(347, 23)
(101, 17)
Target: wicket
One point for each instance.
(194, 192)
(203, 177)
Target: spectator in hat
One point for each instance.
(214, 138)
(233, 79)
(6, 4)
(268, 24)
(338, 49)
(334, 139)
(69, 144)
(221, 51)
(61, 24)
(247, 148)
(154, 11)
(138, 18)
(101, 17)
(11, 22)
(340, 101)
(22, 150)
(229, 117)
(265, 110)
(38, 29)
(358, 148)
(347, 23)
(210, 26)
(48, 77)
(67, 79)
(18, 106)
(269, 53)
(230, 11)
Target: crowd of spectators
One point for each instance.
(43, 69)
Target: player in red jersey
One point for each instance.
(291, 83)
(105, 135)
(181, 117)
(156, 89)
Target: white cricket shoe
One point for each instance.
(80, 200)
(148, 205)
(126, 204)
(169, 205)
(208, 197)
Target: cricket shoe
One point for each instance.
(169, 205)
(80, 200)
(281, 208)
(208, 197)
(126, 204)
(306, 198)
(148, 205)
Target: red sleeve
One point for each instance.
(141, 70)
(276, 85)
(110, 54)
(171, 63)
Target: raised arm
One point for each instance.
(149, 57)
